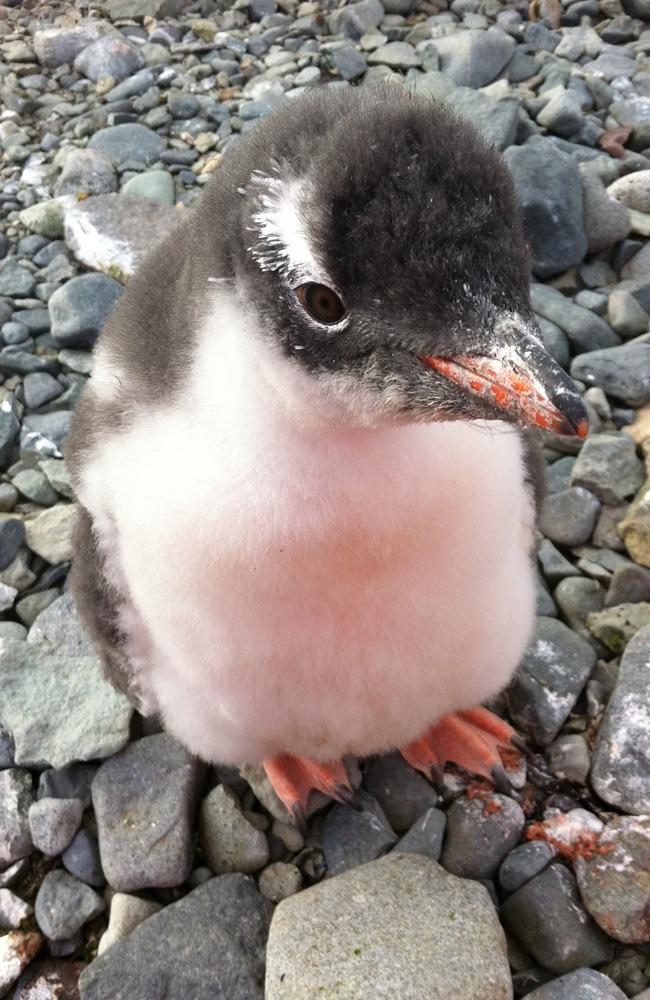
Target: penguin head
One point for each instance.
(378, 242)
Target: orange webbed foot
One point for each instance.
(294, 778)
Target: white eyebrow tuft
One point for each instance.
(284, 244)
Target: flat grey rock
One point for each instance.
(554, 669)
(353, 837)
(80, 308)
(59, 708)
(59, 629)
(15, 800)
(550, 191)
(144, 801)
(619, 767)
(548, 919)
(425, 836)
(583, 984)
(623, 372)
(585, 330)
(608, 467)
(208, 944)
(397, 927)
(229, 841)
(402, 792)
(129, 141)
(474, 58)
(495, 118)
(569, 516)
(114, 232)
(56, 46)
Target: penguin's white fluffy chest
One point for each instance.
(304, 587)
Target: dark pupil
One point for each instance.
(324, 304)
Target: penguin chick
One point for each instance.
(306, 520)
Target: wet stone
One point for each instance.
(479, 835)
(15, 800)
(583, 984)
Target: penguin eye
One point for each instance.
(321, 303)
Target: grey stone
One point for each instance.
(558, 474)
(425, 836)
(80, 308)
(13, 910)
(583, 984)
(59, 708)
(480, 834)
(569, 516)
(562, 115)
(569, 759)
(81, 858)
(14, 873)
(626, 316)
(33, 485)
(9, 428)
(351, 837)
(279, 881)
(633, 190)
(157, 185)
(548, 184)
(15, 800)
(474, 58)
(523, 863)
(12, 536)
(230, 843)
(614, 881)
(59, 629)
(495, 118)
(70, 782)
(584, 329)
(56, 46)
(619, 768)
(397, 55)
(28, 608)
(64, 904)
(87, 171)
(606, 221)
(553, 671)
(608, 466)
(221, 926)
(119, 10)
(45, 434)
(629, 584)
(623, 372)
(555, 341)
(16, 281)
(144, 801)
(114, 232)
(397, 927)
(548, 919)
(356, 19)
(577, 598)
(403, 794)
(7, 596)
(111, 55)
(40, 388)
(553, 563)
(119, 142)
(134, 86)
(53, 823)
(350, 63)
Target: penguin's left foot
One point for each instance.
(471, 739)
(293, 778)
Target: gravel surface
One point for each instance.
(127, 869)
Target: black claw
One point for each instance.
(520, 743)
(356, 798)
(501, 780)
(299, 817)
